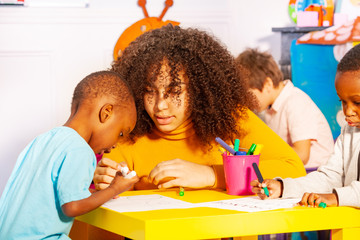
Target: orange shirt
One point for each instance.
(277, 158)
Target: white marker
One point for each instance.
(130, 175)
(124, 171)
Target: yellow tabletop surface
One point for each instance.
(208, 223)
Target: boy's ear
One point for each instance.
(106, 112)
(268, 84)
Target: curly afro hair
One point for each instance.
(218, 99)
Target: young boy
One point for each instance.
(337, 182)
(49, 185)
(288, 111)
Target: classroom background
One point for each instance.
(47, 47)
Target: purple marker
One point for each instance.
(224, 145)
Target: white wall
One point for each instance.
(44, 52)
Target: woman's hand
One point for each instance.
(105, 172)
(144, 184)
(274, 187)
(182, 173)
(314, 199)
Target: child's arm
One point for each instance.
(314, 199)
(302, 148)
(275, 188)
(117, 186)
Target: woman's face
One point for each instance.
(167, 105)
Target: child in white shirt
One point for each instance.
(337, 182)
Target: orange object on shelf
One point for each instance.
(325, 12)
(316, 8)
(141, 26)
(328, 14)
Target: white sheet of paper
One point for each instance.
(145, 203)
(156, 202)
(252, 204)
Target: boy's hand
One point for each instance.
(314, 199)
(105, 172)
(274, 187)
(121, 184)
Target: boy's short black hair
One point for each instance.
(102, 83)
(351, 60)
(256, 66)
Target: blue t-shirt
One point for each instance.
(55, 168)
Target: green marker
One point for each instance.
(181, 191)
(236, 145)
(322, 205)
(251, 149)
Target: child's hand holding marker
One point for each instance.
(319, 200)
(125, 172)
(274, 187)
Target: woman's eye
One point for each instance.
(121, 134)
(149, 90)
(175, 90)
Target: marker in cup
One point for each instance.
(258, 149)
(251, 149)
(224, 145)
(236, 145)
(240, 153)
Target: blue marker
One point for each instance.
(260, 178)
(224, 145)
(240, 153)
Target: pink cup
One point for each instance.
(239, 173)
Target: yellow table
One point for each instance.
(207, 223)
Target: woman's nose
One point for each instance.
(162, 102)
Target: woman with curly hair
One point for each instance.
(188, 92)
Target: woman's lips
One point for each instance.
(164, 120)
